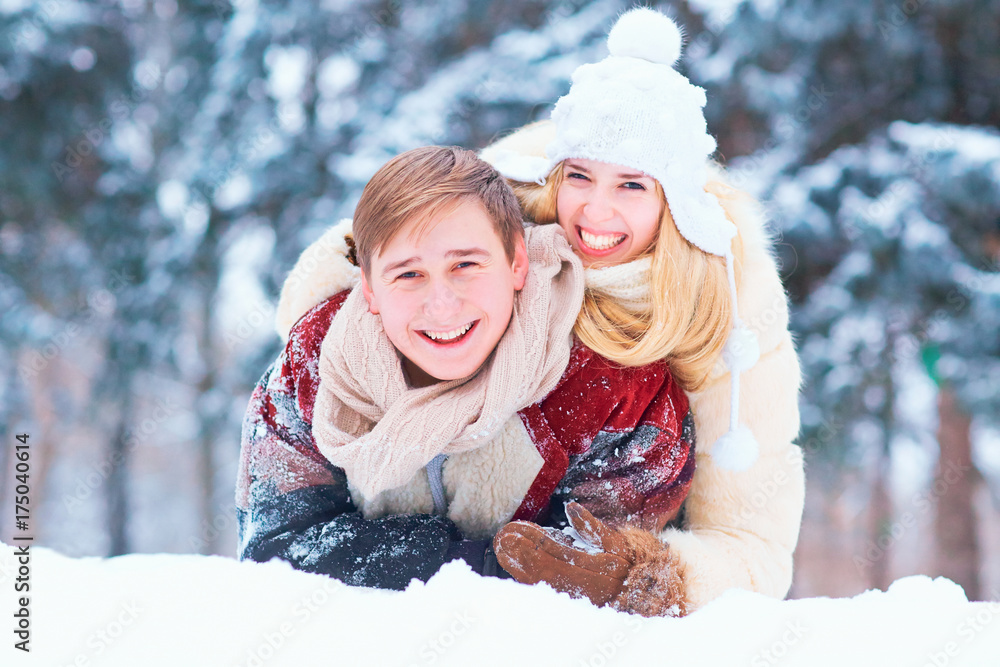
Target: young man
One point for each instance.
(449, 334)
(411, 418)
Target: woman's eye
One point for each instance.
(632, 185)
(577, 176)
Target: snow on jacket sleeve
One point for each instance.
(617, 440)
(294, 505)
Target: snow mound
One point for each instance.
(209, 610)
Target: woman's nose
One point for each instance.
(598, 207)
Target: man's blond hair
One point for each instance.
(422, 185)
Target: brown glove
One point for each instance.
(628, 568)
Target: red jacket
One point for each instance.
(618, 440)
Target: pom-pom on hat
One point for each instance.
(646, 34)
(634, 109)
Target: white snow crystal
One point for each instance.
(336, 74)
(172, 197)
(234, 192)
(288, 68)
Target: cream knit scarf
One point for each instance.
(628, 284)
(367, 420)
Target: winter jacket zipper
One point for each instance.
(434, 471)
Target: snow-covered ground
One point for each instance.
(207, 610)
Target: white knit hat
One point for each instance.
(634, 109)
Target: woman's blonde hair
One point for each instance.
(691, 313)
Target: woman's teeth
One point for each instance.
(449, 335)
(602, 242)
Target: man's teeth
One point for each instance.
(449, 335)
(601, 242)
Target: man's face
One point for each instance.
(445, 295)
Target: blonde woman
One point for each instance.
(678, 268)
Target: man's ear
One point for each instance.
(369, 295)
(520, 263)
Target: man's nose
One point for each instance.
(442, 302)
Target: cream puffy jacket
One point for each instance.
(741, 527)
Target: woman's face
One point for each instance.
(611, 214)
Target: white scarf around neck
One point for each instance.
(629, 284)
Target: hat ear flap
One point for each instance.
(523, 168)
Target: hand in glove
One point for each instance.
(628, 568)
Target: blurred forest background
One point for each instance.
(163, 163)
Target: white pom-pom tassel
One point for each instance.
(742, 349)
(736, 450)
(646, 33)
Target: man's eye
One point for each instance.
(632, 185)
(409, 275)
(463, 265)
